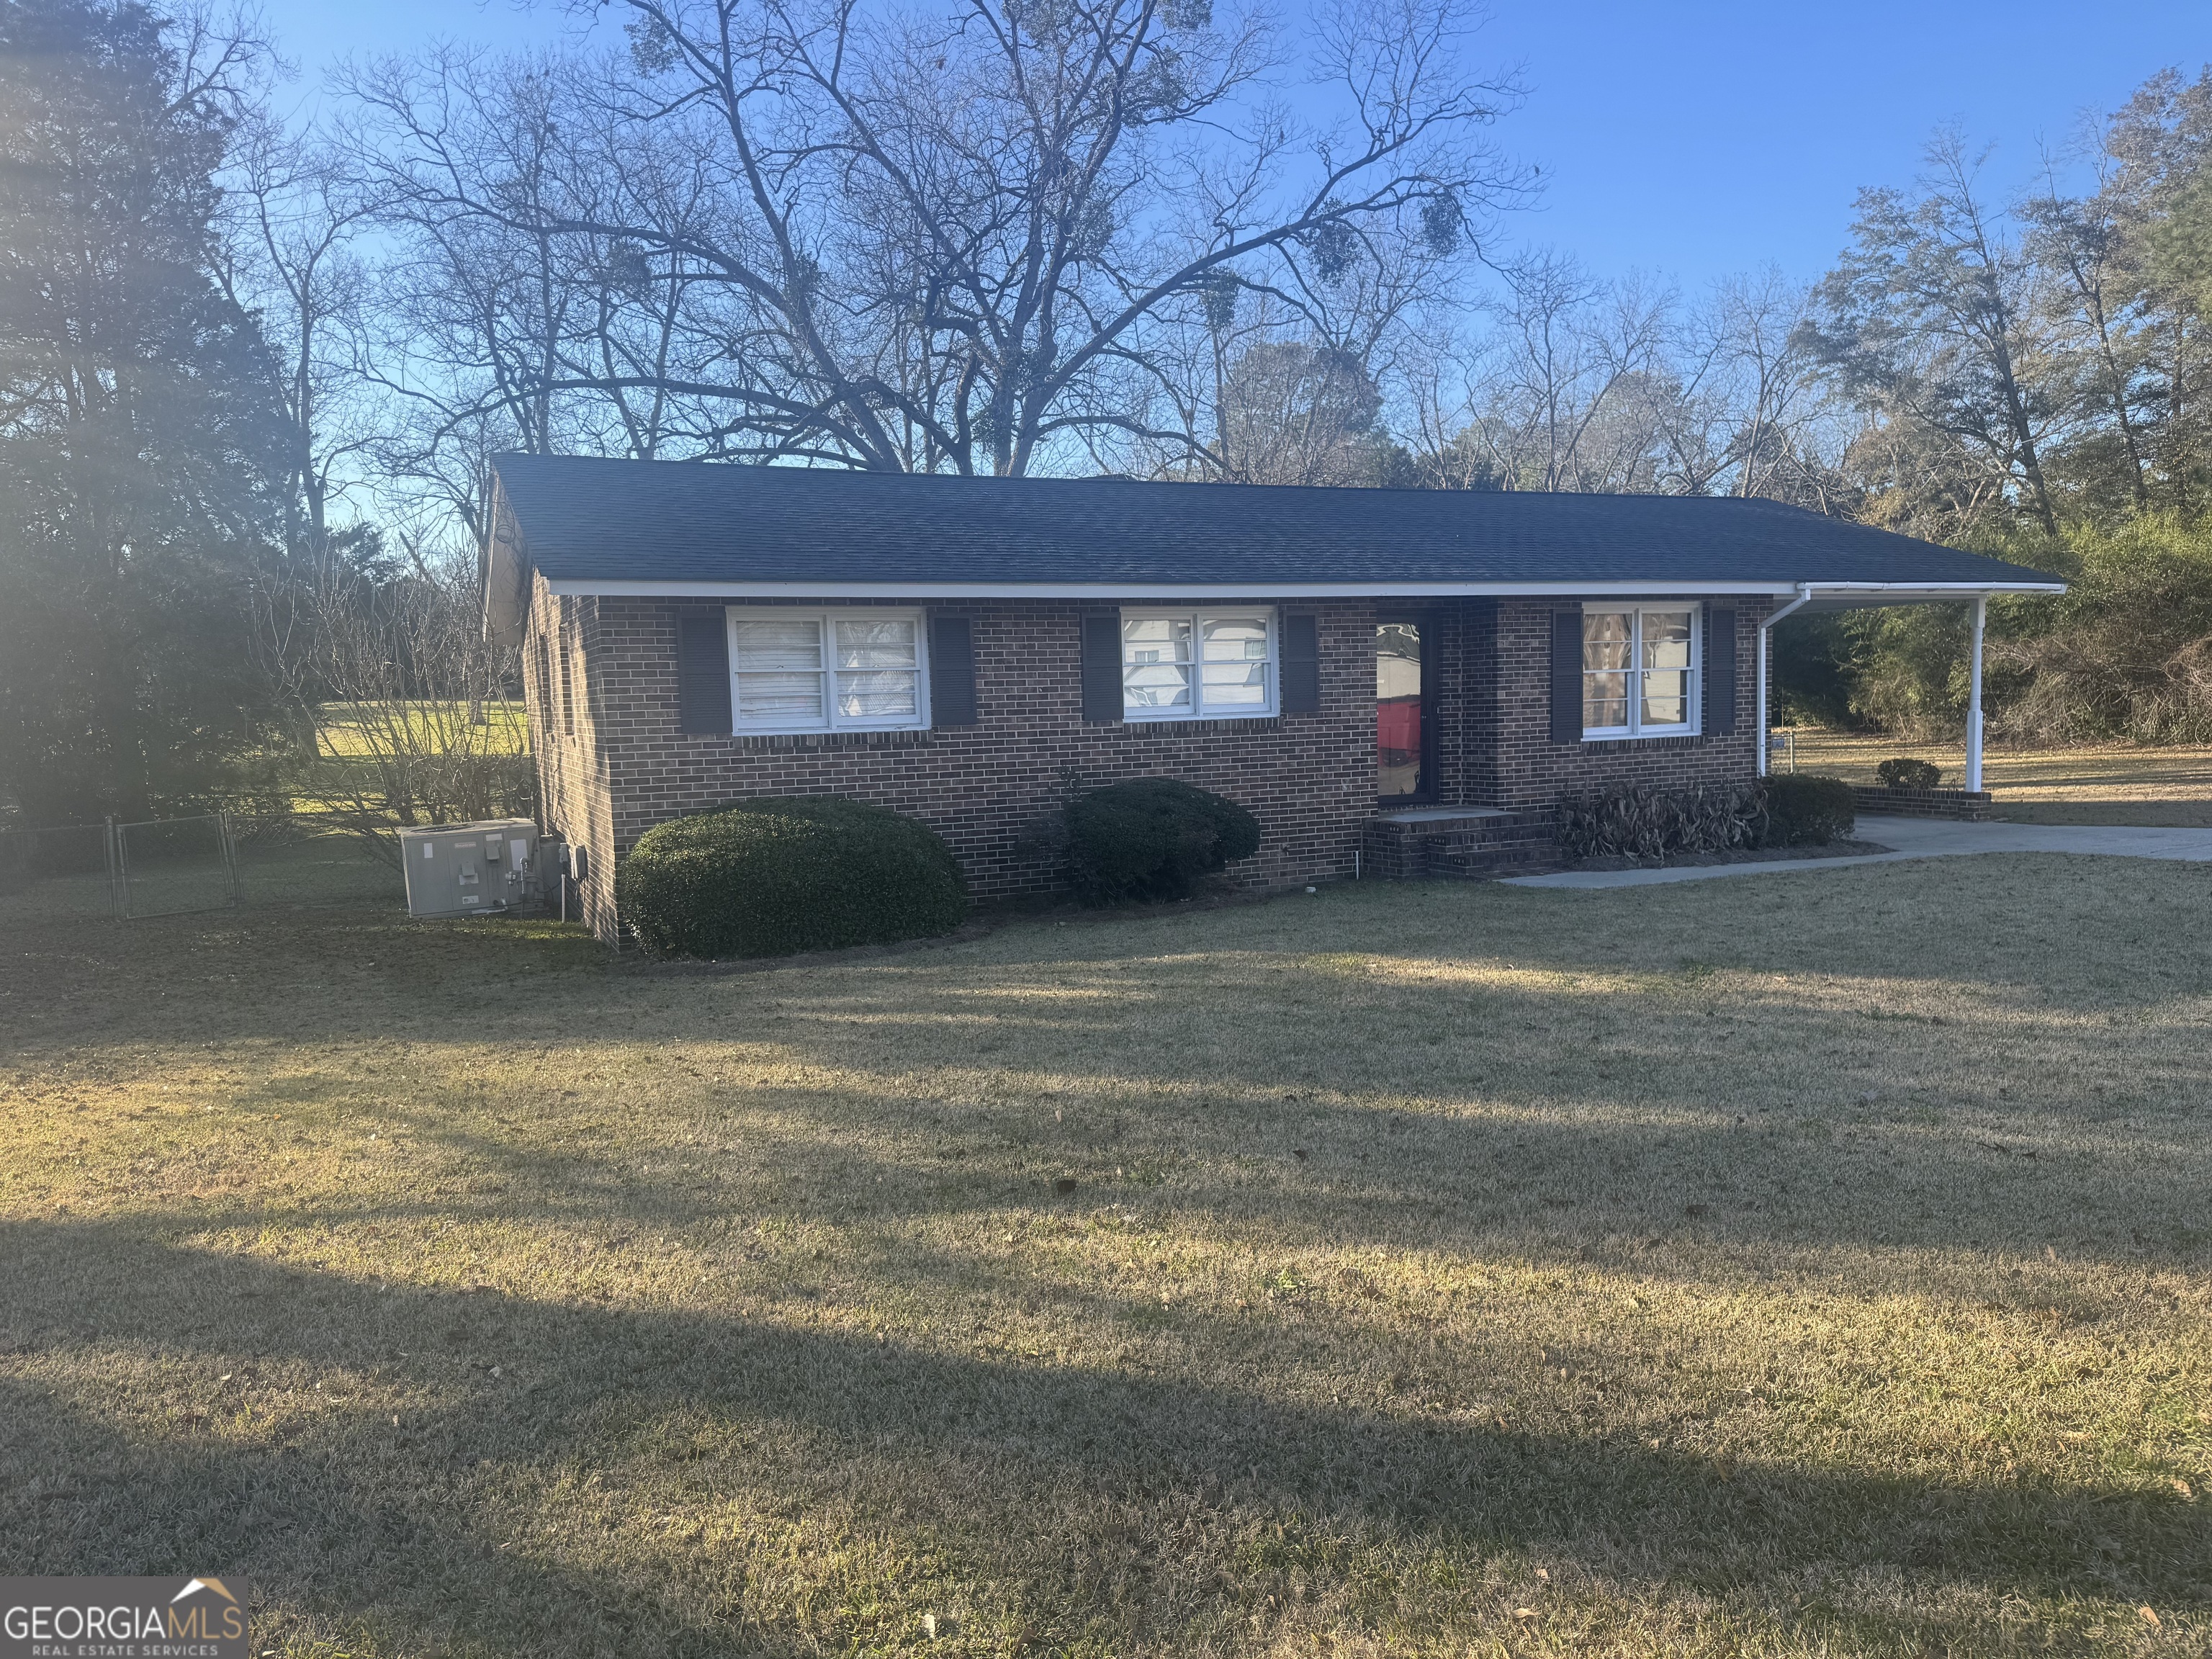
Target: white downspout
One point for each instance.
(1804, 597)
(1974, 698)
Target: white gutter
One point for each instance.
(1877, 592)
(1368, 590)
(1874, 593)
(1804, 597)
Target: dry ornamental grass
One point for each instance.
(1813, 1265)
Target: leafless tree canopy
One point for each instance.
(973, 238)
(1182, 239)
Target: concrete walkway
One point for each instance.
(1921, 838)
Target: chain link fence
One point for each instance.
(173, 866)
(188, 866)
(57, 873)
(313, 857)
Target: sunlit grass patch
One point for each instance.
(2109, 783)
(346, 731)
(1805, 1266)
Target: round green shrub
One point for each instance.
(1153, 838)
(1805, 808)
(1906, 772)
(766, 877)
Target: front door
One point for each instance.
(1405, 712)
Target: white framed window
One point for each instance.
(797, 670)
(1215, 664)
(1640, 671)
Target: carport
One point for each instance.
(1813, 597)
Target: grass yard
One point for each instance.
(1813, 1265)
(2120, 783)
(348, 730)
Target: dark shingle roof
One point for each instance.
(587, 520)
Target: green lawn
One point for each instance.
(1813, 1265)
(347, 729)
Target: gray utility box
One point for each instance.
(469, 869)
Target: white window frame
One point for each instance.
(827, 617)
(1198, 616)
(1695, 698)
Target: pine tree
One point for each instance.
(136, 438)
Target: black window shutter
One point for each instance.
(1720, 670)
(703, 673)
(1101, 668)
(952, 672)
(1566, 677)
(1301, 663)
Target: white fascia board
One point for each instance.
(636, 590)
(1846, 596)
(1964, 590)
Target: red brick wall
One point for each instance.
(1309, 779)
(574, 789)
(1524, 767)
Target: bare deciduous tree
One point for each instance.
(295, 213)
(402, 672)
(955, 241)
(1292, 413)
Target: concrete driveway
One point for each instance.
(1921, 838)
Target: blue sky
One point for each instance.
(1685, 140)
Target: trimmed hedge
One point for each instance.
(1153, 838)
(1803, 808)
(766, 877)
(1906, 772)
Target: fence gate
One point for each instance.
(171, 866)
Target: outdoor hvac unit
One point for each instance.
(469, 869)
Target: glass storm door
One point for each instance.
(1402, 713)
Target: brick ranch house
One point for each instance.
(1393, 681)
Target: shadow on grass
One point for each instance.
(1059, 1496)
(1908, 1057)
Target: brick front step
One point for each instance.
(1467, 842)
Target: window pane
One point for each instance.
(879, 694)
(1155, 654)
(1397, 661)
(877, 644)
(1605, 701)
(1666, 639)
(779, 699)
(765, 645)
(1156, 686)
(1155, 639)
(1235, 685)
(1605, 639)
(1235, 639)
(1666, 697)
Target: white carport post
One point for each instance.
(1804, 597)
(1974, 697)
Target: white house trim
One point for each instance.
(1167, 591)
(1841, 595)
